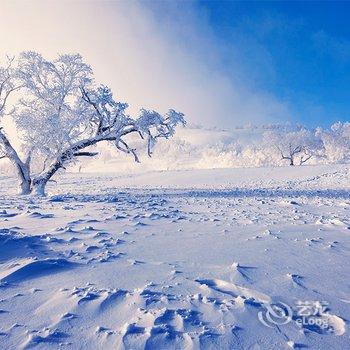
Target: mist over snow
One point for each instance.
(197, 147)
(151, 56)
(164, 55)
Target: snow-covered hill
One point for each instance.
(251, 146)
(195, 147)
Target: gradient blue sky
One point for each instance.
(221, 63)
(297, 50)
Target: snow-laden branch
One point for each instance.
(109, 122)
(62, 114)
(85, 154)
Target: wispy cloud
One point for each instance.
(156, 56)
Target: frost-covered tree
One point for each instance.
(295, 146)
(336, 141)
(62, 113)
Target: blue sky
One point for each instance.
(299, 51)
(221, 63)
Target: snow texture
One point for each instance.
(175, 260)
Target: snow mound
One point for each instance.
(235, 290)
(31, 268)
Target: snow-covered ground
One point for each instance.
(178, 259)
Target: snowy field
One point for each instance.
(178, 260)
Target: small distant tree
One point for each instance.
(62, 113)
(297, 147)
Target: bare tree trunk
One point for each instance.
(22, 168)
(39, 186)
(39, 183)
(25, 184)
